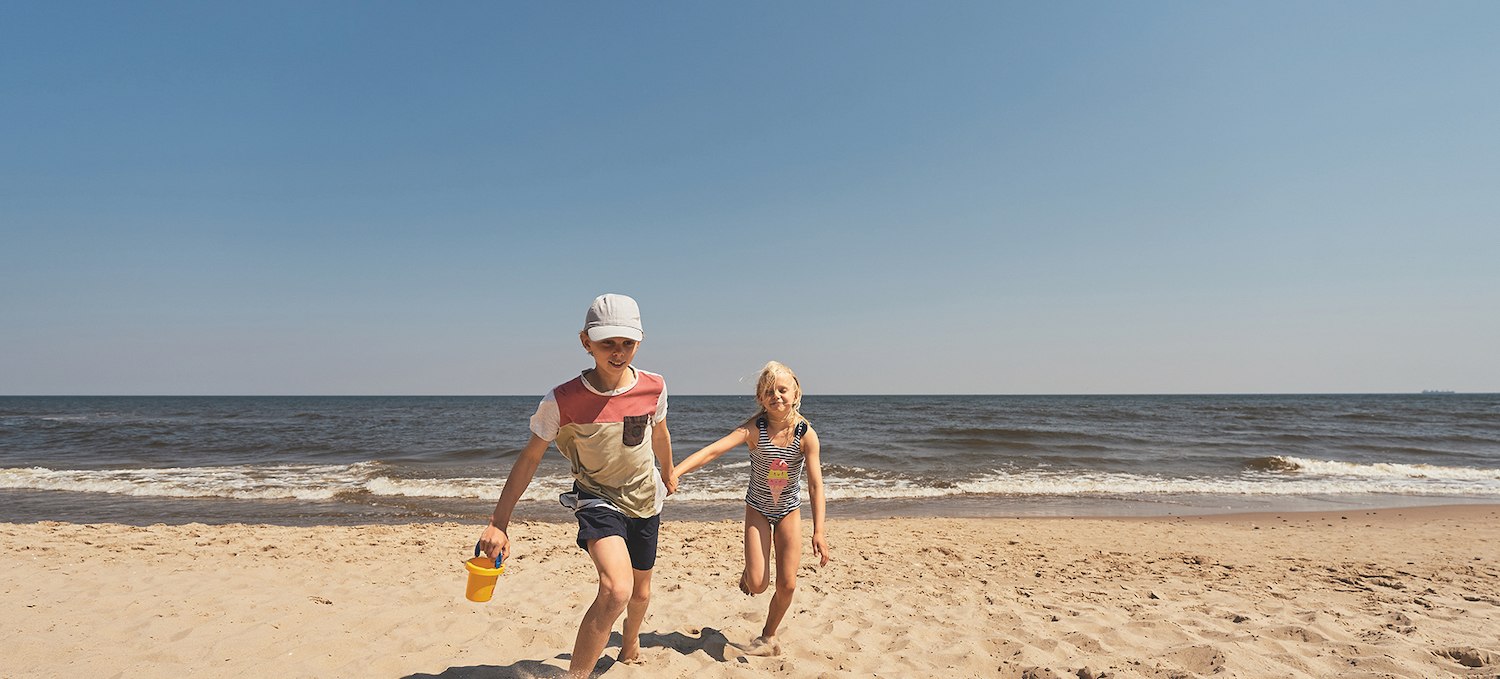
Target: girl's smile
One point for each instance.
(780, 397)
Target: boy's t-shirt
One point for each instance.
(607, 438)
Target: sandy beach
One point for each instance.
(1387, 593)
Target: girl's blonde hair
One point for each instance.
(767, 380)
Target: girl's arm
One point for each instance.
(815, 492)
(712, 451)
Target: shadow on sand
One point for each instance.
(709, 640)
(525, 669)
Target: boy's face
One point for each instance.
(612, 355)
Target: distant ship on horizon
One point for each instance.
(1437, 392)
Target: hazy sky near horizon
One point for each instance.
(891, 197)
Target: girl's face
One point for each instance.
(779, 397)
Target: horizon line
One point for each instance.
(1424, 392)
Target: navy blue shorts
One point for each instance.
(640, 534)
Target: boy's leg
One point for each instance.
(757, 575)
(788, 539)
(616, 582)
(635, 614)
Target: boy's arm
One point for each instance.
(810, 450)
(712, 451)
(494, 540)
(661, 444)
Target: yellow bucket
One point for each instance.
(482, 575)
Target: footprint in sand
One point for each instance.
(1470, 657)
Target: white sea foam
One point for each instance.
(542, 487)
(1372, 481)
(1300, 477)
(464, 487)
(1387, 470)
(1294, 476)
(278, 482)
(301, 482)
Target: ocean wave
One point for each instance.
(1036, 484)
(1268, 476)
(1375, 470)
(25, 419)
(247, 482)
(1273, 463)
(286, 482)
(456, 488)
(964, 438)
(300, 482)
(1271, 476)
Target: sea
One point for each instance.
(342, 460)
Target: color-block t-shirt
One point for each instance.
(607, 438)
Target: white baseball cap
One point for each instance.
(613, 315)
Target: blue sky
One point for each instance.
(987, 197)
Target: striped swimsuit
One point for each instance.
(775, 475)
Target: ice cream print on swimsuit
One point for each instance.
(775, 473)
(776, 479)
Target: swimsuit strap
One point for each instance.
(797, 433)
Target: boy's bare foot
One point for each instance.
(762, 646)
(629, 655)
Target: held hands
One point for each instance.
(820, 549)
(671, 481)
(494, 541)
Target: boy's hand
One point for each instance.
(671, 482)
(494, 541)
(820, 548)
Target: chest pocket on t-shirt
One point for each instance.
(634, 431)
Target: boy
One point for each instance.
(609, 423)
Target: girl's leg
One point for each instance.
(788, 538)
(635, 614)
(616, 582)
(757, 575)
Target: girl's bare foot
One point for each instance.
(745, 586)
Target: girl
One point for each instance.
(782, 445)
